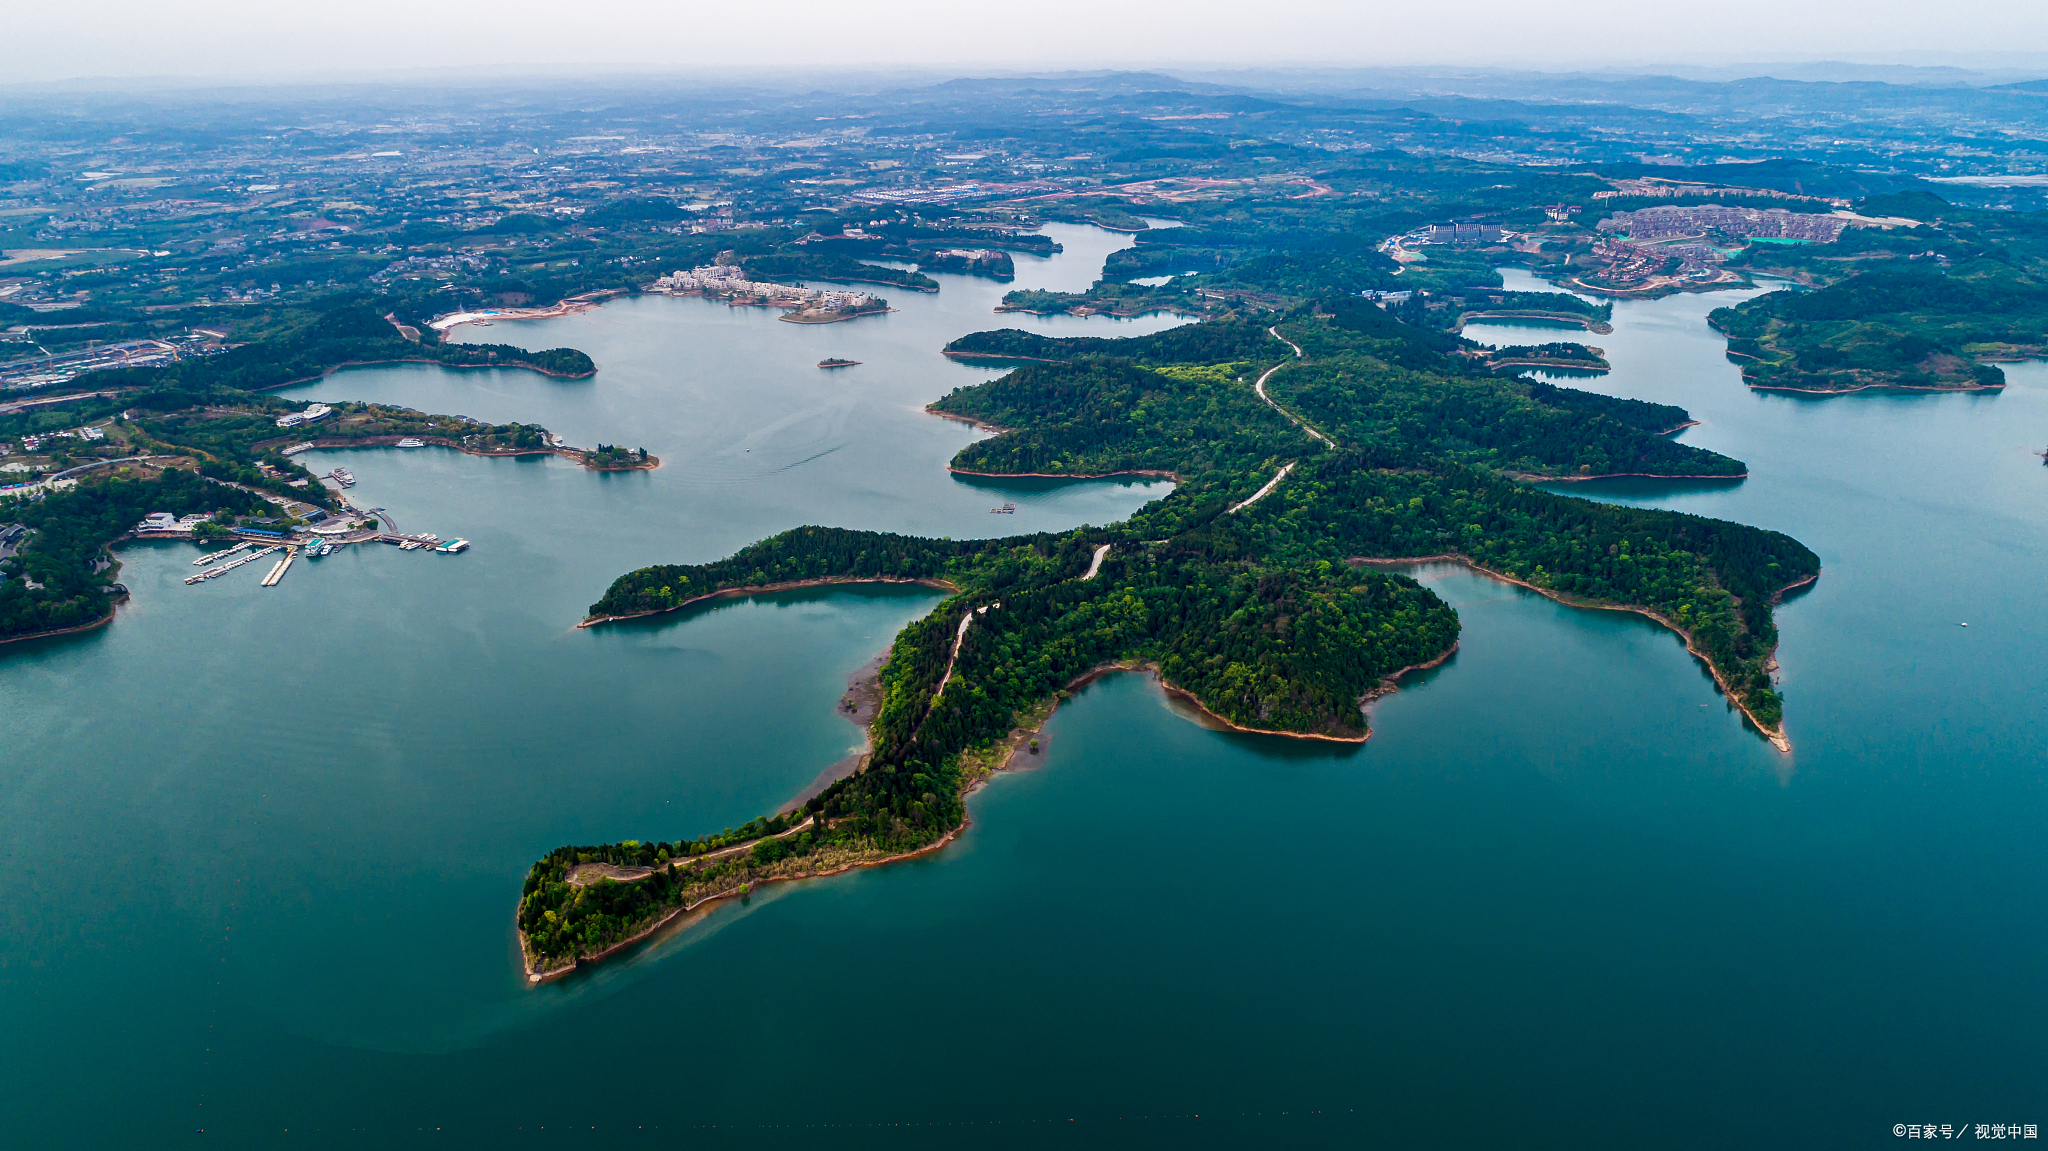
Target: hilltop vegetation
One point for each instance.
(1260, 611)
(65, 551)
(1923, 328)
(1932, 305)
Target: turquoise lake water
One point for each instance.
(265, 842)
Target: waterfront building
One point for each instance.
(1472, 231)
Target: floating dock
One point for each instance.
(217, 572)
(216, 557)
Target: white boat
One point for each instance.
(295, 449)
(409, 442)
(453, 546)
(202, 561)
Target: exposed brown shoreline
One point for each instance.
(793, 317)
(577, 455)
(113, 603)
(1775, 734)
(1621, 476)
(1570, 366)
(758, 589)
(692, 912)
(331, 369)
(689, 914)
(1597, 327)
(1157, 473)
(953, 355)
(1870, 387)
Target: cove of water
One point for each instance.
(265, 842)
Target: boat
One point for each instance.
(1005, 510)
(343, 476)
(409, 442)
(453, 546)
(295, 449)
(409, 545)
(216, 557)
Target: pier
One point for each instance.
(277, 573)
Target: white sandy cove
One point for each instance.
(565, 308)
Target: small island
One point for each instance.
(836, 363)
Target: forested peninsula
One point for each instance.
(1930, 307)
(1250, 589)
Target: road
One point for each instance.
(1095, 565)
(1262, 492)
(1260, 388)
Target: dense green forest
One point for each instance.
(1367, 378)
(1260, 611)
(1363, 380)
(1455, 307)
(1560, 354)
(1922, 328)
(70, 530)
(817, 265)
(1921, 306)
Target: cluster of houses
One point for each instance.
(1670, 223)
(731, 280)
(35, 443)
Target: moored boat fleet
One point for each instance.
(223, 569)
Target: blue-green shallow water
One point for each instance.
(265, 849)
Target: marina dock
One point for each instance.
(277, 573)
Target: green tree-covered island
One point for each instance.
(1250, 590)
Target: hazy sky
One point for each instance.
(269, 40)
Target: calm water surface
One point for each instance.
(265, 841)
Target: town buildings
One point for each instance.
(1673, 223)
(731, 280)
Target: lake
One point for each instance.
(265, 852)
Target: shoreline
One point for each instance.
(792, 317)
(984, 425)
(759, 589)
(1619, 476)
(1562, 367)
(1597, 327)
(690, 911)
(568, 306)
(1155, 473)
(1012, 744)
(391, 441)
(953, 355)
(333, 368)
(95, 625)
(1869, 387)
(1776, 735)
